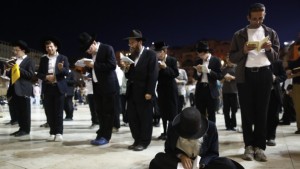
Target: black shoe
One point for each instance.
(45, 125)
(68, 119)
(21, 133)
(14, 133)
(131, 147)
(11, 123)
(139, 148)
(163, 136)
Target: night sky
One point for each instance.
(177, 23)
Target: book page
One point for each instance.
(262, 42)
(127, 59)
(258, 44)
(196, 163)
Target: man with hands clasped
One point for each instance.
(53, 69)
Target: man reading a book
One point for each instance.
(254, 78)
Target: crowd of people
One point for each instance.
(151, 85)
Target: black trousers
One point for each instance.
(94, 118)
(123, 100)
(170, 161)
(140, 117)
(230, 103)
(180, 103)
(205, 103)
(118, 112)
(22, 108)
(68, 107)
(254, 97)
(105, 109)
(54, 104)
(273, 116)
(12, 112)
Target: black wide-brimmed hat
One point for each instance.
(86, 40)
(22, 45)
(190, 124)
(160, 45)
(136, 34)
(51, 38)
(202, 47)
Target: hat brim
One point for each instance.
(200, 132)
(53, 39)
(143, 39)
(162, 48)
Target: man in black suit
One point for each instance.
(207, 72)
(53, 69)
(167, 90)
(19, 91)
(105, 84)
(142, 76)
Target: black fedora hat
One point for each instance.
(190, 124)
(51, 38)
(160, 45)
(86, 40)
(22, 45)
(136, 34)
(202, 47)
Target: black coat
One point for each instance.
(23, 86)
(105, 66)
(59, 75)
(142, 77)
(215, 74)
(279, 72)
(167, 90)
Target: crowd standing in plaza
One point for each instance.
(153, 85)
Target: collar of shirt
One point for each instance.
(208, 58)
(97, 48)
(21, 57)
(54, 56)
(141, 51)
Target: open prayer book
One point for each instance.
(258, 44)
(80, 62)
(196, 163)
(125, 59)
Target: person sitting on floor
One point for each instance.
(191, 135)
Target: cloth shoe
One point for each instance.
(248, 154)
(259, 155)
(102, 142)
(51, 137)
(58, 138)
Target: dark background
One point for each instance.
(176, 22)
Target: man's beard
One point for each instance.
(135, 52)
